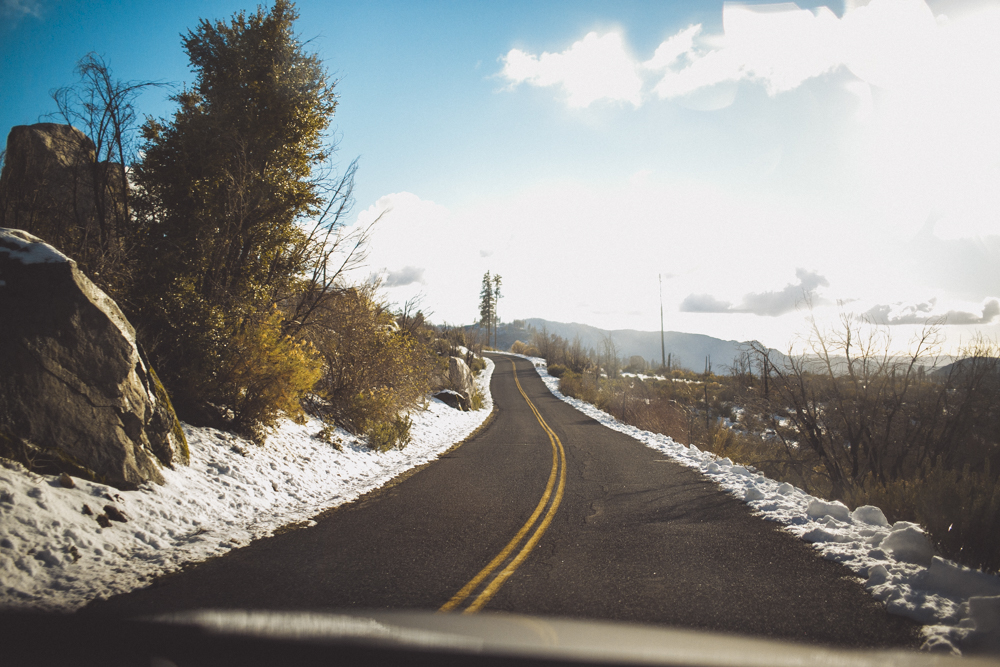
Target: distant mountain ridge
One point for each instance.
(687, 350)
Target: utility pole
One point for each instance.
(496, 304)
(708, 409)
(766, 373)
(663, 349)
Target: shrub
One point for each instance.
(372, 370)
(328, 434)
(386, 435)
(476, 400)
(852, 421)
(855, 422)
(959, 508)
(262, 375)
(769, 455)
(578, 386)
(520, 347)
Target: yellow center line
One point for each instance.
(558, 471)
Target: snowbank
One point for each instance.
(55, 556)
(958, 606)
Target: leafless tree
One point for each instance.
(104, 108)
(609, 356)
(870, 415)
(327, 252)
(576, 356)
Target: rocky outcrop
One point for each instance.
(45, 186)
(76, 393)
(52, 186)
(460, 378)
(452, 399)
(460, 387)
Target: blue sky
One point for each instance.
(748, 154)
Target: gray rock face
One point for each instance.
(52, 186)
(452, 399)
(76, 393)
(46, 186)
(461, 379)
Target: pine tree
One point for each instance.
(496, 302)
(489, 296)
(486, 304)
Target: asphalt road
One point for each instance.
(608, 529)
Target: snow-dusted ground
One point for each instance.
(661, 378)
(53, 556)
(959, 607)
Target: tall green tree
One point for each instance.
(225, 185)
(486, 304)
(497, 281)
(489, 295)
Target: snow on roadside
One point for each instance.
(959, 607)
(55, 556)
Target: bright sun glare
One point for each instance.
(881, 177)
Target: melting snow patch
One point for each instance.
(870, 515)
(29, 252)
(817, 509)
(909, 543)
(959, 607)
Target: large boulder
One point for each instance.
(45, 185)
(460, 387)
(460, 377)
(76, 393)
(52, 186)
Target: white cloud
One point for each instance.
(928, 313)
(673, 49)
(922, 138)
(884, 44)
(779, 46)
(595, 68)
(894, 45)
(770, 303)
(933, 138)
(19, 8)
(404, 276)
(413, 232)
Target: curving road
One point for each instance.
(545, 512)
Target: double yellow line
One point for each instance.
(547, 506)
